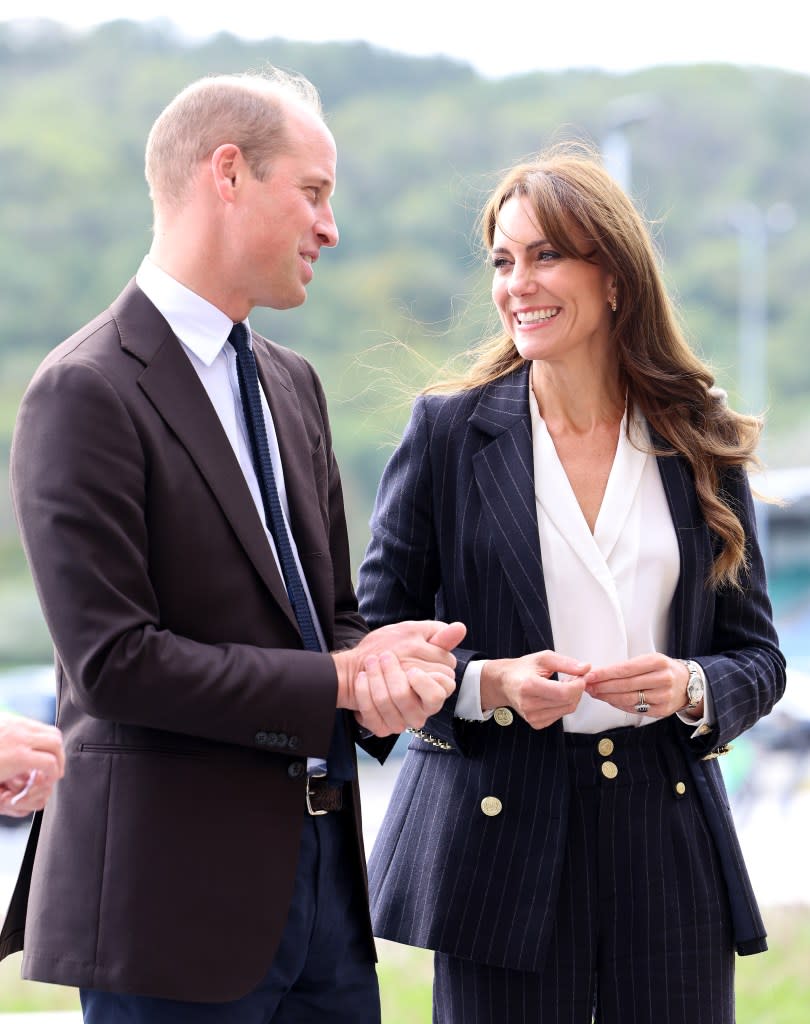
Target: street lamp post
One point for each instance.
(749, 221)
(616, 152)
(754, 227)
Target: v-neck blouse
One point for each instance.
(609, 592)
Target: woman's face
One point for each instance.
(550, 305)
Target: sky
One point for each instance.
(497, 39)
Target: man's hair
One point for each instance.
(246, 110)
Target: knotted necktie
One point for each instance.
(339, 760)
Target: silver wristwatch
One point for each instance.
(694, 686)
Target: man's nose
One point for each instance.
(327, 229)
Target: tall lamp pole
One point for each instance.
(754, 227)
(621, 113)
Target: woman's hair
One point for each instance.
(571, 194)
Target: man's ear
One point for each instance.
(227, 167)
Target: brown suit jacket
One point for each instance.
(164, 862)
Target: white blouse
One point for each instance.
(609, 592)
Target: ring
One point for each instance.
(642, 707)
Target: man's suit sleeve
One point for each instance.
(80, 474)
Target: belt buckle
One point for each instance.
(310, 809)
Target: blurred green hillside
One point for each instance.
(420, 141)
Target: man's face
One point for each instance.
(284, 220)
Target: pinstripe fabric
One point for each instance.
(639, 927)
(454, 534)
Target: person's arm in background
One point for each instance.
(32, 760)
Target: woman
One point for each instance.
(559, 833)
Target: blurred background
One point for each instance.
(704, 117)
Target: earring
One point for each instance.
(613, 304)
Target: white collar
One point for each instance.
(201, 326)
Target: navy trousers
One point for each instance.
(322, 973)
(642, 931)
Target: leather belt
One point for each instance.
(323, 796)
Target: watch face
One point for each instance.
(694, 688)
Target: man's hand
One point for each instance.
(399, 675)
(392, 698)
(524, 684)
(32, 760)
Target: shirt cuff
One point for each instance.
(468, 702)
(708, 718)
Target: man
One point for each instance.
(32, 760)
(186, 532)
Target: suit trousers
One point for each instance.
(642, 931)
(322, 971)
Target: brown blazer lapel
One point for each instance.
(169, 382)
(295, 443)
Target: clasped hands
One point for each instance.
(525, 685)
(399, 675)
(32, 760)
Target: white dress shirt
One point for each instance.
(609, 592)
(203, 332)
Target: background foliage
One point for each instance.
(420, 141)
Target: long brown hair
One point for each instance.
(665, 381)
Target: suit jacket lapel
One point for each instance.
(171, 385)
(504, 474)
(690, 603)
(306, 519)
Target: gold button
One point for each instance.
(503, 716)
(680, 788)
(605, 747)
(703, 729)
(491, 806)
(609, 770)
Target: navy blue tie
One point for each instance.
(340, 765)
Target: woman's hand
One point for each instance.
(661, 680)
(524, 684)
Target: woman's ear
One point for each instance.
(611, 297)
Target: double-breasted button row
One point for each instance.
(491, 805)
(606, 746)
(610, 770)
(279, 740)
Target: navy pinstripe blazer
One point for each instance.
(454, 534)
